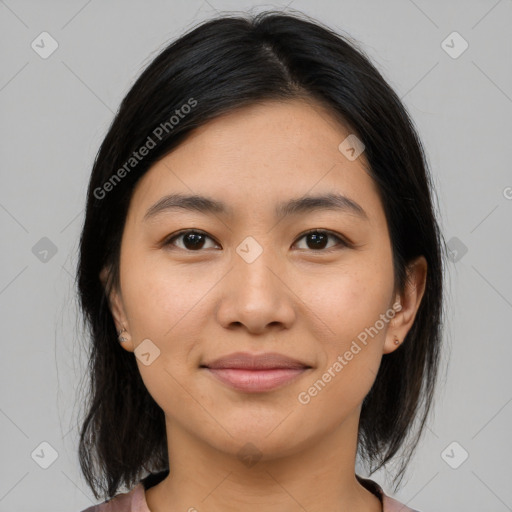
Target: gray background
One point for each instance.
(55, 112)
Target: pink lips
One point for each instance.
(256, 373)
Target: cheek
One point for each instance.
(352, 300)
(160, 298)
(350, 356)
(166, 305)
(353, 304)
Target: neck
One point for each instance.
(316, 477)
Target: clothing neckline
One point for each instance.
(155, 478)
(388, 504)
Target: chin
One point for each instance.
(261, 441)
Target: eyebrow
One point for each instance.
(301, 205)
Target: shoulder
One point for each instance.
(389, 504)
(392, 505)
(133, 501)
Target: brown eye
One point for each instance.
(191, 240)
(317, 240)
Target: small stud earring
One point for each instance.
(123, 337)
(397, 341)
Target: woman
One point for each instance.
(261, 271)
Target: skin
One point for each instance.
(196, 305)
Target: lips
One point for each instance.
(251, 373)
(246, 361)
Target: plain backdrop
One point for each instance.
(55, 110)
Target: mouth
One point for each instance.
(259, 373)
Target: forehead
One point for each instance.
(259, 155)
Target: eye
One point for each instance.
(193, 240)
(316, 239)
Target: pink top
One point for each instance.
(135, 500)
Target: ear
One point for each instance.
(116, 308)
(409, 299)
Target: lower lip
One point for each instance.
(256, 381)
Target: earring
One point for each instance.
(122, 338)
(397, 341)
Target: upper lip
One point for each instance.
(265, 361)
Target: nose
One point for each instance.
(256, 296)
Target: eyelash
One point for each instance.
(341, 242)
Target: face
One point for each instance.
(312, 281)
